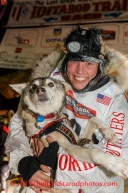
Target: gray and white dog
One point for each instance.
(46, 96)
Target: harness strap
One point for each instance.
(60, 127)
(84, 141)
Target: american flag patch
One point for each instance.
(103, 99)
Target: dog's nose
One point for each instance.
(40, 90)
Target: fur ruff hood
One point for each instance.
(116, 66)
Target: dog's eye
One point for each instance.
(34, 86)
(50, 84)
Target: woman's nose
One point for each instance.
(80, 68)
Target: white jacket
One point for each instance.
(85, 105)
(79, 108)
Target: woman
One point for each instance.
(98, 76)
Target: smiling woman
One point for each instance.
(99, 77)
(81, 73)
(85, 58)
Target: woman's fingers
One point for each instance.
(49, 139)
(40, 181)
(44, 168)
(37, 146)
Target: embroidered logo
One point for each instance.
(78, 109)
(103, 99)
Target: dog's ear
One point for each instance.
(18, 87)
(66, 85)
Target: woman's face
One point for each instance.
(81, 73)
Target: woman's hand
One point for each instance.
(40, 180)
(46, 155)
(38, 145)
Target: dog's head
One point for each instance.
(43, 95)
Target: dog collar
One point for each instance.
(41, 118)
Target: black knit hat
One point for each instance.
(84, 45)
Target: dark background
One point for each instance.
(4, 102)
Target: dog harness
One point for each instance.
(60, 127)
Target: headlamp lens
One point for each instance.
(74, 46)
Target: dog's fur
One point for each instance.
(46, 95)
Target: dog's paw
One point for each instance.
(109, 134)
(119, 166)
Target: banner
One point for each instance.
(47, 12)
(21, 48)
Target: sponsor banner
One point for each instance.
(21, 48)
(46, 12)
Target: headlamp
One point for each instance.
(82, 44)
(76, 50)
(74, 46)
(79, 48)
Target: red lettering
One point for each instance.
(34, 12)
(118, 114)
(120, 140)
(116, 6)
(115, 120)
(71, 9)
(106, 6)
(41, 11)
(119, 127)
(15, 13)
(113, 152)
(91, 166)
(56, 10)
(49, 11)
(77, 17)
(124, 5)
(73, 164)
(86, 6)
(109, 144)
(85, 167)
(79, 8)
(80, 17)
(118, 133)
(38, 12)
(63, 10)
(92, 16)
(96, 8)
(63, 158)
(96, 16)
